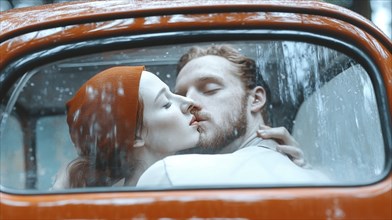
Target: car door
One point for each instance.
(329, 76)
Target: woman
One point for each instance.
(121, 121)
(110, 120)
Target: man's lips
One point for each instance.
(198, 117)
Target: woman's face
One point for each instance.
(168, 125)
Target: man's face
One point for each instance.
(211, 82)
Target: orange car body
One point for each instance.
(23, 32)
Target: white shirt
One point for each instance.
(254, 164)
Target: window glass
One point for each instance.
(324, 98)
(11, 154)
(53, 149)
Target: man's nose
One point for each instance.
(188, 105)
(191, 93)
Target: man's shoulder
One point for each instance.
(190, 168)
(207, 159)
(249, 165)
(192, 158)
(207, 168)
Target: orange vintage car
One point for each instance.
(330, 76)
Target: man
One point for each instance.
(232, 103)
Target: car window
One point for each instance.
(13, 173)
(53, 144)
(323, 97)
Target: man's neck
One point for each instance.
(233, 146)
(246, 140)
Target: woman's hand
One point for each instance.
(286, 143)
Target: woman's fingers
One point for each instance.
(286, 143)
(279, 133)
(291, 151)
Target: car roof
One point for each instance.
(14, 21)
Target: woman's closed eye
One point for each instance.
(167, 105)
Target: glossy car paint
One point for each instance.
(59, 24)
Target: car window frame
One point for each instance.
(34, 60)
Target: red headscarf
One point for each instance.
(102, 116)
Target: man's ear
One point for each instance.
(258, 98)
(138, 142)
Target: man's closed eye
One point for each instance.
(211, 88)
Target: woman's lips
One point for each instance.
(193, 121)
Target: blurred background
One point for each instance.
(378, 11)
